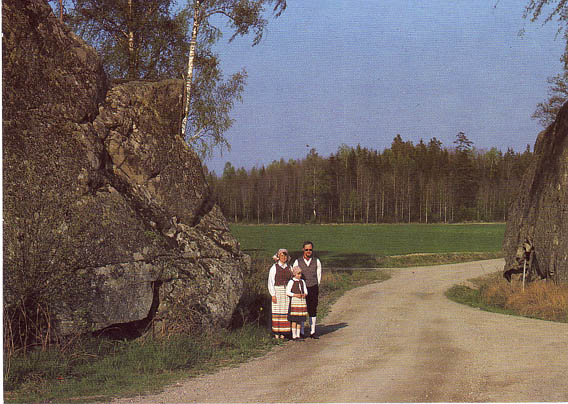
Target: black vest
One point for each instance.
(297, 287)
(283, 275)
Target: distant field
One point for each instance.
(342, 245)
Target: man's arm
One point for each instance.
(319, 271)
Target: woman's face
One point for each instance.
(283, 257)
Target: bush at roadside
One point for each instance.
(544, 300)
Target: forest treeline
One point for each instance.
(422, 183)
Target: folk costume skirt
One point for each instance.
(280, 323)
(298, 310)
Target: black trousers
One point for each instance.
(312, 300)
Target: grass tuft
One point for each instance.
(541, 299)
(128, 367)
(544, 300)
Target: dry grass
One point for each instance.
(540, 299)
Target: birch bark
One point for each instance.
(190, 63)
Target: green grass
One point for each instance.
(357, 245)
(97, 370)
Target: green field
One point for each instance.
(368, 245)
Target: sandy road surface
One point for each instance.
(401, 341)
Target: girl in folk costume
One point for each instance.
(297, 291)
(278, 276)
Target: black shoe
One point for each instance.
(302, 336)
(314, 336)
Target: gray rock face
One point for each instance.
(108, 219)
(538, 219)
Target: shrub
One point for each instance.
(496, 291)
(540, 299)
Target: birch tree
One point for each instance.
(136, 38)
(58, 7)
(243, 17)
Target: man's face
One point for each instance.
(308, 250)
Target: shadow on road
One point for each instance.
(323, 329)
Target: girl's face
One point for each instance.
(298, 275)
(283, 257)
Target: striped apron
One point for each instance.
(298, 310)
(280, 323)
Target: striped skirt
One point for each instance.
(298, 310)
(280, 323)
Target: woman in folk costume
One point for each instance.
(278, 277)
(297, 291)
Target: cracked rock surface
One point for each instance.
(539, 214)
(98, 184)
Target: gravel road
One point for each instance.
(401, 341)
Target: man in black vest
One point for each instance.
(311, 273)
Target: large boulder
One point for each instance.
(536, 237)
(108, 220)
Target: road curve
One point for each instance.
(400, 341)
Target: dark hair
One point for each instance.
(306, 243)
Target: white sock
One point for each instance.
(313, 324)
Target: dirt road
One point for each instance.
(401, 341)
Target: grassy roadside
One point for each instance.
(97, 370)
(541, 299)
(92, 370)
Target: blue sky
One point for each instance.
(332, 72)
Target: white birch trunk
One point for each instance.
(131, 50)
(190, 63)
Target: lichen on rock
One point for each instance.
(108, 219)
